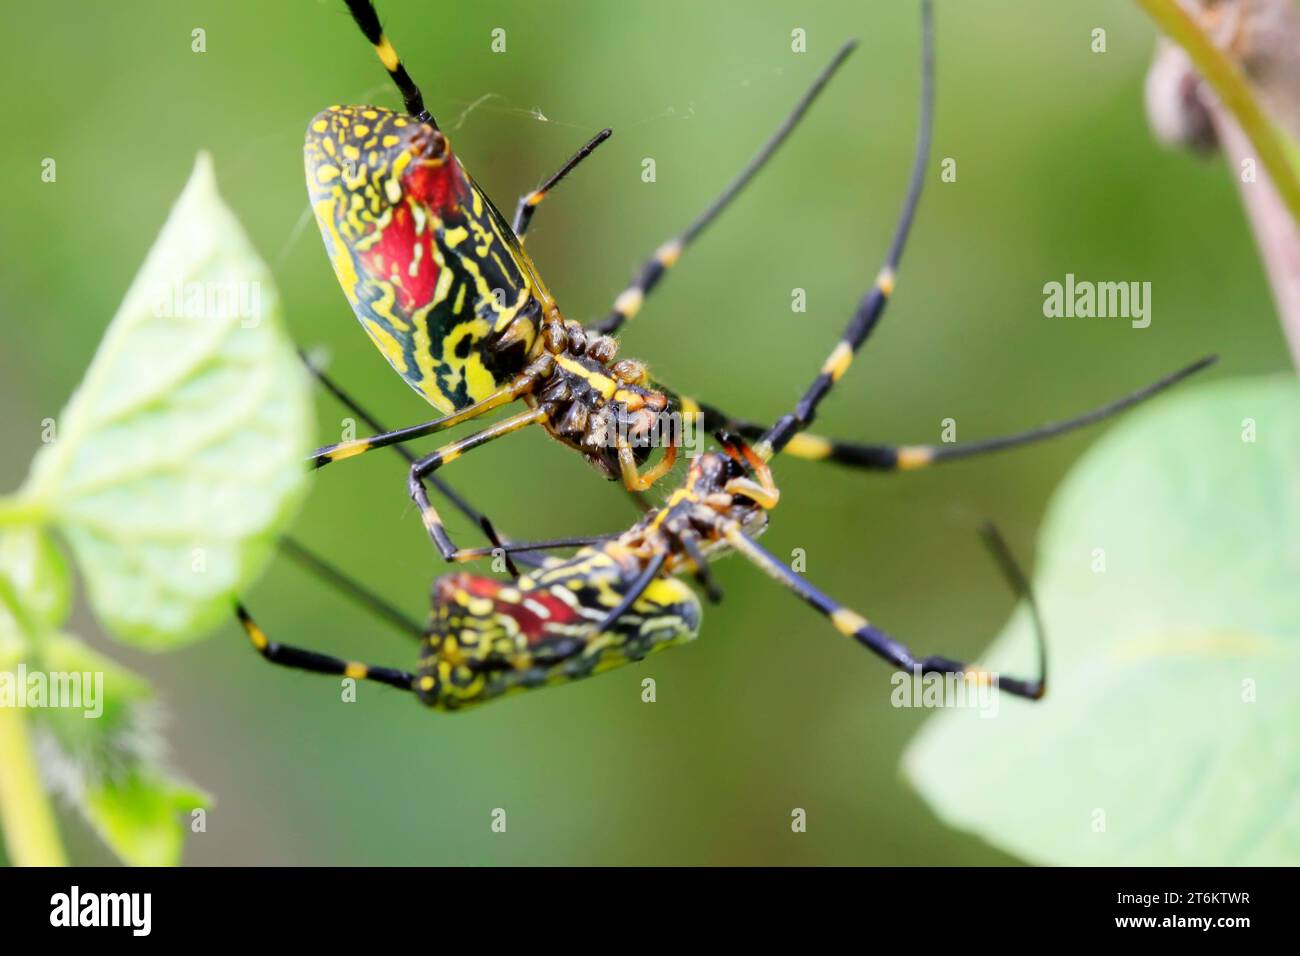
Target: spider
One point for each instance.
(446, 291)
(619, 597)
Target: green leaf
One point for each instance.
(179, 458)
(1170, 733)
(106, 756)
(137, 817)
(38, 571)
(35, 592)
(12, 645)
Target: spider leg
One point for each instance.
(350, 587)
(345, 398)
(873, 303)
(307, 660)
(358, 446)
(523, 547)
(702, 573)
(459, 502)
(425, 466)
(629, 301)
(635, 481)
(345, 583)
(851, 624)
(912, 457)
(498, 547)
(643, 581)
(366, 17)
(528, 203)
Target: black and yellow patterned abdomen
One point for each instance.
(429, 266)
(488, 638)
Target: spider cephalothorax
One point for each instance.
(602, 407)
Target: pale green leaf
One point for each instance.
(180, 456)
(1171, 729)
(37, 570)
(35, 590)
(139, 816)
(13, 647)
(107, 757)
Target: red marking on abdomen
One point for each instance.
(442, 188)
(389, 260)
(532, 624)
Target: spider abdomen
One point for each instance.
(432, 271)
(487, 637)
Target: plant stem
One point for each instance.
(31, 836)
(18, 510)
(1229, 82)
(1276, 234)
(26, 818)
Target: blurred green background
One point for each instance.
(769, 710)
